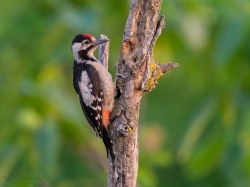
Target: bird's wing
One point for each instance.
(91, 97)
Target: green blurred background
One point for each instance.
(194, 128)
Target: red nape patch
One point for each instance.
(87, 36)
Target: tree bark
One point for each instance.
(136, 72)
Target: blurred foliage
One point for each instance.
(194, 128)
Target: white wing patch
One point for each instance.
(86, 89)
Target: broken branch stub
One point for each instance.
(154, 70)
(103, 54)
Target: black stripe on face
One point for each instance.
(90, 47)
(83, 54)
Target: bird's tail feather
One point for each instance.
(108, 144)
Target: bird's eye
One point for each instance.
(86, 42)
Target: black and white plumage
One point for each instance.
(94, 86)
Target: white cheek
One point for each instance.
(78, 46)
(83, 47)
(75, 49)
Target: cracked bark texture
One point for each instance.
(103, 54)
(136, 72)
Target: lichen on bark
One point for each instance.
(154, 73)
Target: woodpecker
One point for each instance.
(94, 86)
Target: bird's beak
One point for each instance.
(98, 42)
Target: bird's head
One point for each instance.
(83, 45)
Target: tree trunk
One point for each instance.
(136, 72)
